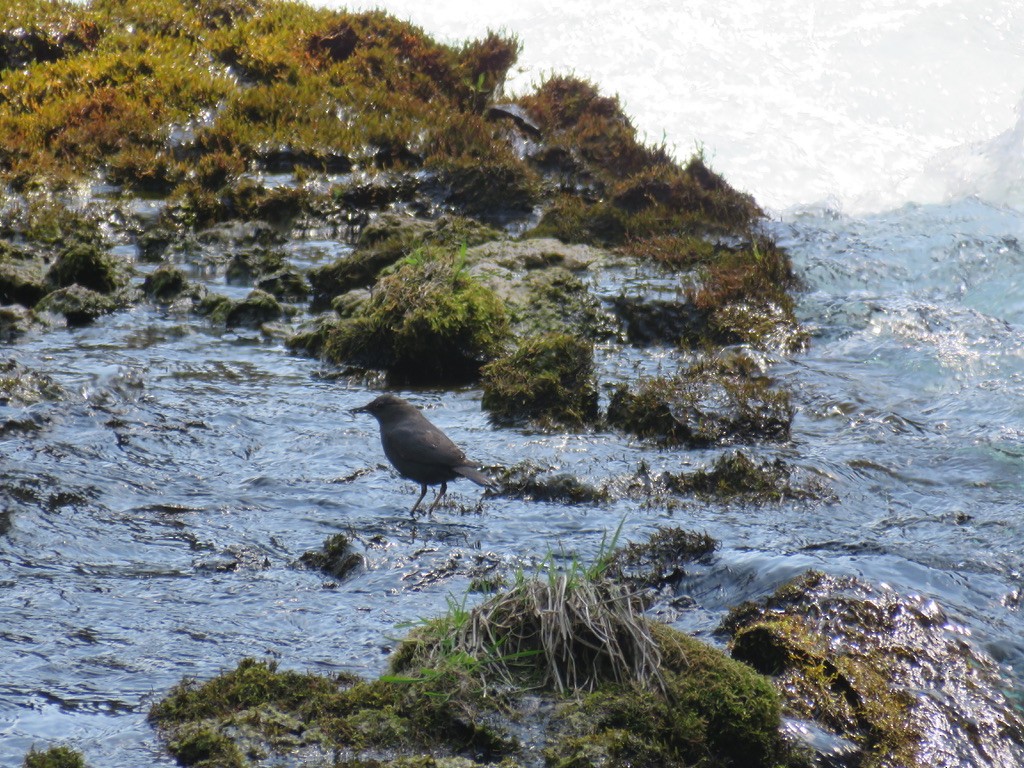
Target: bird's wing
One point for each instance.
(412, 442)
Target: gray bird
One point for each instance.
(419, 450)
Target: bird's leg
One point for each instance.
(444, 487)
(423, 492)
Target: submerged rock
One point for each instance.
(336, 558)
(891, 673)
(527, 480)
(717, 401)
(660, 561)
(20, 386)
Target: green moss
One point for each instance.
(336, 558)
(716, 712)
(717, 401)
(549, 379)
(426, 322)
(849, 693)
(660, 560)
(54, 757)
(527, 480)
(384, 242)
(737, 475)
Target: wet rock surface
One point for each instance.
(892, 673)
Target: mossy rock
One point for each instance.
(86, 265)
(427, 322)
(387, 240)
(549, 380)
(648, 695)
(251, 264)
(78, 305)
(165, 284)
(885, 671)
(713, 402)
(716, 712)
(287, 285)
(274, 711)
(336, 558)
(22, 275)
(254, 310)
(15, 321)
(54, 757)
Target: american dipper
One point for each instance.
(419, 450)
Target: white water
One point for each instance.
(862, 106)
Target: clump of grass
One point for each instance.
(567, 630)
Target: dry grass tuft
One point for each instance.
(567, 632)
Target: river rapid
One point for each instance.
(157, 510)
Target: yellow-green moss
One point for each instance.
(717, 401)
(549, 379)
(850, 693)
(54, 757)
(427, 322)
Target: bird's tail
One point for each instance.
(474, 474)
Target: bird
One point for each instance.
(418, 450)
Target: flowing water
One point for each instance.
(157, 510)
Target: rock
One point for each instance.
(22, 275)
(86, 265)
(719, 401)
(891, 673)
(78, 305)
(537, 253)
(549, 380)
(254, 310)
(427, 322)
